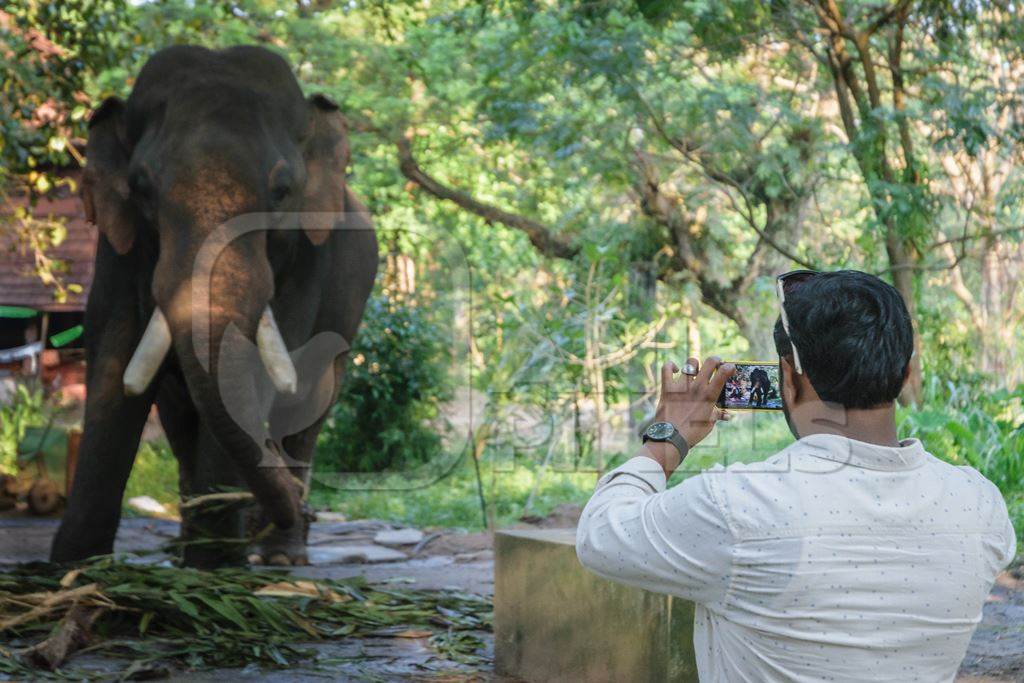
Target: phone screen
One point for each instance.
(754, 386)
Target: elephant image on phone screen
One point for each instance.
(232, 270)
(754, 386)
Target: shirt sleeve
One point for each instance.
(674, 541)
(1000, 545)
(1004, 546)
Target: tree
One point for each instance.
(710, 164)
(976, 135)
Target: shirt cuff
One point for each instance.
(639, 470)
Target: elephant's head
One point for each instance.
(204, 139)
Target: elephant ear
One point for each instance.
(105, 180)
(326, 156)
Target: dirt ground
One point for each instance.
(435, 559)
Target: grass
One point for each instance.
(454, 502)
(155, 474)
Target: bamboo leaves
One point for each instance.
(170, 618)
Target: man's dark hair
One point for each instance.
(853, 334)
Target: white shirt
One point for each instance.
(833, 560)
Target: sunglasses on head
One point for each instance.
(787, 283)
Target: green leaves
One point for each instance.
(51, 53)
(217, 619)
(975, 426)
(396, 378)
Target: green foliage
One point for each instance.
(50, 51)
(224, 618)
(452, 501)
(395, 381)
(24, 408)
(154, 474)
(976, 426)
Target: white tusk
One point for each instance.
(275, 354)
(149, 354)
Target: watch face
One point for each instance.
(660, 430)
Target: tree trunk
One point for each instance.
(903, 279)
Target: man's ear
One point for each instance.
(790, 387)
(326, 155)
(105, 180)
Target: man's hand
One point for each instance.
(688, 402)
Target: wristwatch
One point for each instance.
(665, 431)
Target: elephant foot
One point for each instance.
(287, 548)
(279, 559)
(212, 540)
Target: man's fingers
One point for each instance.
(704, 376)
(666, 374)
(725, 371)
(692, 367)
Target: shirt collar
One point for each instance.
(909, 455)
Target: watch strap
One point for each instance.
(675, 438)
(679, 442)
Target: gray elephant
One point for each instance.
(232, 270)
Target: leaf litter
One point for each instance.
(157, 619)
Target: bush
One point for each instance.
(25, 408)
(393, 386)
(983, 429)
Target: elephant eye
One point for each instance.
(282, 182)
(142, 191)
(141, 185)
(279, 193)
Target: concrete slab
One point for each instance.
(349, 553)
(555, 621)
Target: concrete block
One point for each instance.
(554, 620)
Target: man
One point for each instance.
(848, 556)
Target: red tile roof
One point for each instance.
(19, 286)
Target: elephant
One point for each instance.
(238, 335)
(760, 385)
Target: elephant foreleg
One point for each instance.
(112, 430)
(213, 534)
(181, 425)
(289, 546)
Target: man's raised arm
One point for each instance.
(674, 541)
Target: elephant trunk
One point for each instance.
(229, 390)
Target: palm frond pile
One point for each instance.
(170, 618)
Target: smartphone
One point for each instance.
(755, 385)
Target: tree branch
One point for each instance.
(887, 16)
(898, 94)
(540, 235)
(959, 288)
(691, 153)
